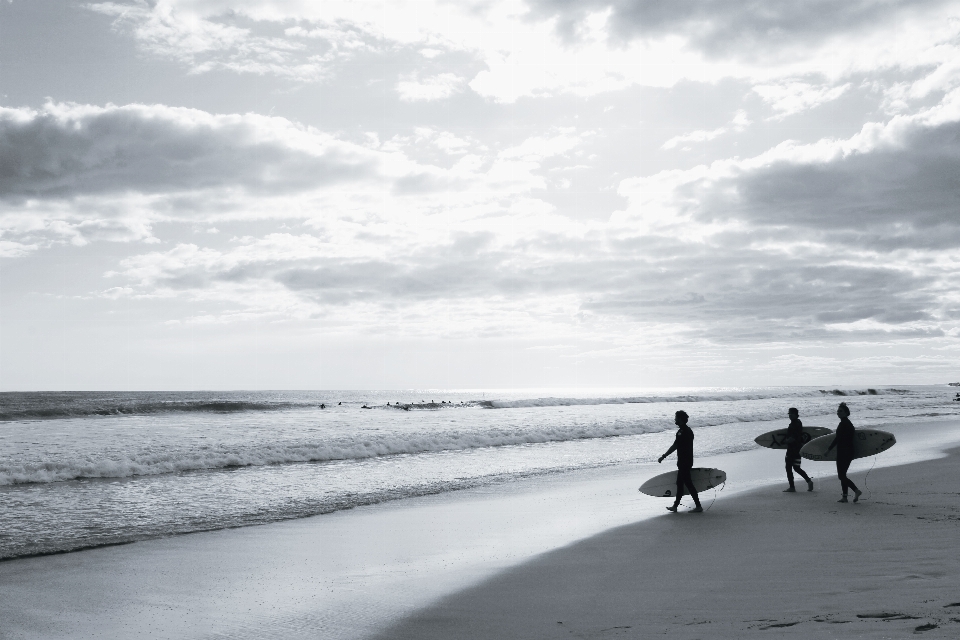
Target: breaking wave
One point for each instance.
(155, 463)
(54, 411)
(703, 397)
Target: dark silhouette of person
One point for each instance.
(323, 406)
(683, 445)
(795, 441)
(844, 442)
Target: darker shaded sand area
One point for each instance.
(762, 564)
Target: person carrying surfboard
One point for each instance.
(794, 442)
(844, 442)
(683, 445)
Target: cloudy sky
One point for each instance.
(492, 193)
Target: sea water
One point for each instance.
(79, 470)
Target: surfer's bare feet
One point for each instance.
(674, 509)
(856, 494)
(843, 499)
(809, 485)
(697, 509)
(790, 490)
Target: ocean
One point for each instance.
(87, 469)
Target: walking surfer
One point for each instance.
(683, 445)
(794, 441)
(844, 442)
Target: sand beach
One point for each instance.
(762, 564)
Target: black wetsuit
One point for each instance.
(844, 442)
(794, 442)
(683, 445)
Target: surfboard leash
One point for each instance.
(866, 487)
(715, 493)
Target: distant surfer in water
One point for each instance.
(794, 441)
(683, 445)
(844, 442)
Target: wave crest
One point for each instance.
(700, 397)
(143, 408)
(147, 464)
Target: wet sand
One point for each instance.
(760, 564)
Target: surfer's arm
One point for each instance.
(832, 445)
(672, 448)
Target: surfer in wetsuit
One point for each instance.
(844, 442)
(683, 445)
(794, 442)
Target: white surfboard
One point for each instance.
(775, 439)
(665, 484)
(866, 442)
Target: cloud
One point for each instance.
(217, 38)
(84, 173)
(544, 48)
(438, 87)
(739, 123)
(837, 241)
(793, 97)
(10, 249)
(851, 239)
(730, 28)
(68, 149)
(786, 48)
(893, 186)
(892, 181)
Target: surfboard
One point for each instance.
(775, 439)
(866, 442)
(665, 484)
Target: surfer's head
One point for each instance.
(681, 418)
(843, 410)
(793, 413)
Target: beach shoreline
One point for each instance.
(761, 563)
(361, 572)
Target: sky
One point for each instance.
(270, 194)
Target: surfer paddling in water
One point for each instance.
(794, 442)
(683, 445)
(844, 442)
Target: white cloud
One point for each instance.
(205, 42)
(80, 173)
(739, 123)
(840, 240)
(438, 87)
(10, 249)
(789, 98)
(544, 48)
(729, 252)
